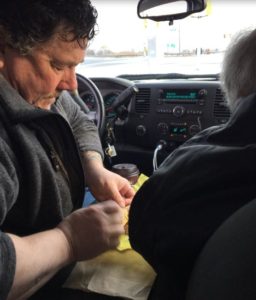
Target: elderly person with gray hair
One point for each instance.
(201, 183)
(238, 70)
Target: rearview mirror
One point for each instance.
(169, 10)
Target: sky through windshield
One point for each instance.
(124, 41)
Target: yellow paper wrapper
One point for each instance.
(122, 272)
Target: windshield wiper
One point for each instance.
(170, 76)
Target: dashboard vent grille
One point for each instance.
(142, 101)
(221, 109)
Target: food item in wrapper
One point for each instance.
(125, 218)
(139, 182)
(102, 274)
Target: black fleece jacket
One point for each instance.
(195, 189)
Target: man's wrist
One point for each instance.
(92, 156)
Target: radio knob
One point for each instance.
(202, 93)
(178, 111)
(194, 129)
(141, 130)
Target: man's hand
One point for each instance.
(105, 185)
(108, 185)
(93, 230)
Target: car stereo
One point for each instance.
(173, 111)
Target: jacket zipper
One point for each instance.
(58, 164)
(52, 153)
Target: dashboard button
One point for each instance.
(163, 128)
(141, 130)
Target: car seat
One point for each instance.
(226, 267)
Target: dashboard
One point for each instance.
(169, 111)
(174, 111)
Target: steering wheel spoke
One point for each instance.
(98, 113)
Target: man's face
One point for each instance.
(41, 75)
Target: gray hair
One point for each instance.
(238, 76)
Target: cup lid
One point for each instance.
(126, 170)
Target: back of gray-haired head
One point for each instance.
(238, 76)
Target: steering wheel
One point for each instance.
(98, 114)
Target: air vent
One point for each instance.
(221, 109)
(142, 101)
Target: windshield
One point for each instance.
(126, 44)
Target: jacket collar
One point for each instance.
(16, 107)
(240, 129)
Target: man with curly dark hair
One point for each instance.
(49, 149)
